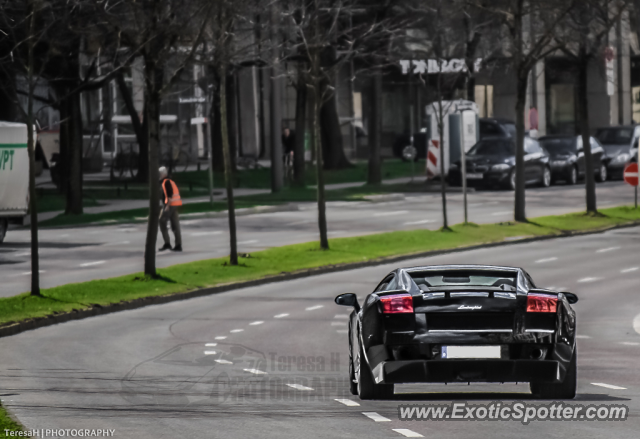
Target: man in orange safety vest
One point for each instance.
(171, 201)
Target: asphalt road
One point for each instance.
(196, 368)
(86, 253)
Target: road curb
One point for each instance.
(95, 310)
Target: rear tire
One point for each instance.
(572, 176)
(564, 390)
(546, 178)
(4, 224)
(602, 175)
(367, 387)
(511, 182)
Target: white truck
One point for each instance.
(14, 174)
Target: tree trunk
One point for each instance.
(62, 165)
(216, 132)
(276, 105)
(440, 120)
(521, 95)
(139, 128)
(31, 145)
(74, 188)
(374, 175)
(583, 108)
(301, 128)
(522, 76)
(154, 82)
(228, 170)
(332, 144)
(322, 214)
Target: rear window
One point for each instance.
(462, 278)
(615, 136)
(493, 147)
(559, 144)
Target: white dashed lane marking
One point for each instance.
(313, 308)
(415, 223)
(501, 213)
(397, 212)
(348, 402)
(223, 362)
(91, 264)
(117, 243)
(589, 279)
(253, 241)
(299, 387)
(255, 371)
(407, 433)
(211, 344)
(210, 352)
(221, 337)
(609, 386)
(376, 417)
(608, 249)
(629, 270)
(341, 316)
(259, 322)
(206, 233)
(630, 343)
(582, 336)
(338, 323)
(234, 331)
(279, 316)
(342, 331)
(542, 261)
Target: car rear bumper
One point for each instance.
(449, 371)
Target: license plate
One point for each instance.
(470, 352)
(474, 176)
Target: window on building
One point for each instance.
(484, 100)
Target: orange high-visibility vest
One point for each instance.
(175, 199)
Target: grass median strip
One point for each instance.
(6, 423)
(199, 274)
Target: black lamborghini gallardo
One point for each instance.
(462, 323)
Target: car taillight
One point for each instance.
(399, 303)
(542, 303)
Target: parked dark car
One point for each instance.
(492, 162)
(617, 143)
(568, 161)
(496, 127)
(462, 323)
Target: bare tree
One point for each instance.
(327, 36)
(582, 40)
(167, 35)
(524, 50)
(23, 34)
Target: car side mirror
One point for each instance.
(571, 298)
(348, 299)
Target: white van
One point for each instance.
(14, 174)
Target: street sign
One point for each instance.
(631, 174)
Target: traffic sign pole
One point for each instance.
(631, 178)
